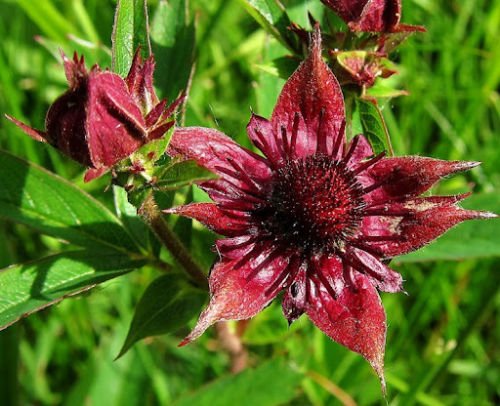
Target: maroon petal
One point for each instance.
(212, 217)
(310, 107)
(238, 291)
(115, 125)
(220, 154)
(354, 317)
(401, 177)
(421, 221)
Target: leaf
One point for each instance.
(27, 288)
(130, 31)
(373, 125)
(272, 383)
(181, 174)
(33, 196)
(271, 15)
(173, 42)
(472, 239)
(167, 304)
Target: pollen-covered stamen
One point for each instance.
(315, 205)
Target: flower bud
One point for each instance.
(102, 118)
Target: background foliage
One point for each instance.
(442, 345)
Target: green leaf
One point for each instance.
(27, 288)
(173, 42)
(33, 196)
(373, 125)
(271, 15)
(181, 174)
(130, 31)
(472, 239)
(167, 304)
(272, 383)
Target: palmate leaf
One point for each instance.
(27, 288)
(167, 304)
(33, 196)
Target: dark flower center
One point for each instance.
(315, 204)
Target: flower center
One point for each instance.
(315, 204)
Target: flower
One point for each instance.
(371, 15)
(103, 118)
(314, 217)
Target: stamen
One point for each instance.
(369, 163)
(338, 140)
(321, 147)
(254, 252)
(295, 131)
(326, 284)
(286, 274)
(252, 183)
(350, 151)
(373, 186)
(270, 258)
(284, 139)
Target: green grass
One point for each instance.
(442, 344)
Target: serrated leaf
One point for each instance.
(173, 42)
(27, 288)
(33, 196)
(167, 304)
(472, 239)
(271, 15)
(181, 174)
(373, 125)
(130, 31)
(272, 383)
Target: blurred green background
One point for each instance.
(443, 337)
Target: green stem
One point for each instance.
(152, 215)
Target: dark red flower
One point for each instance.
(103, 118)
(371, 15)
(314, 217)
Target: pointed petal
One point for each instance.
(37, 135)
(426, 219)
(314, 93)
(212, 217)
(410, 176)
(238, 294)
(215, 151)
(354, 318)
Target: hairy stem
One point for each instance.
(231, 343)
(152, 215)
